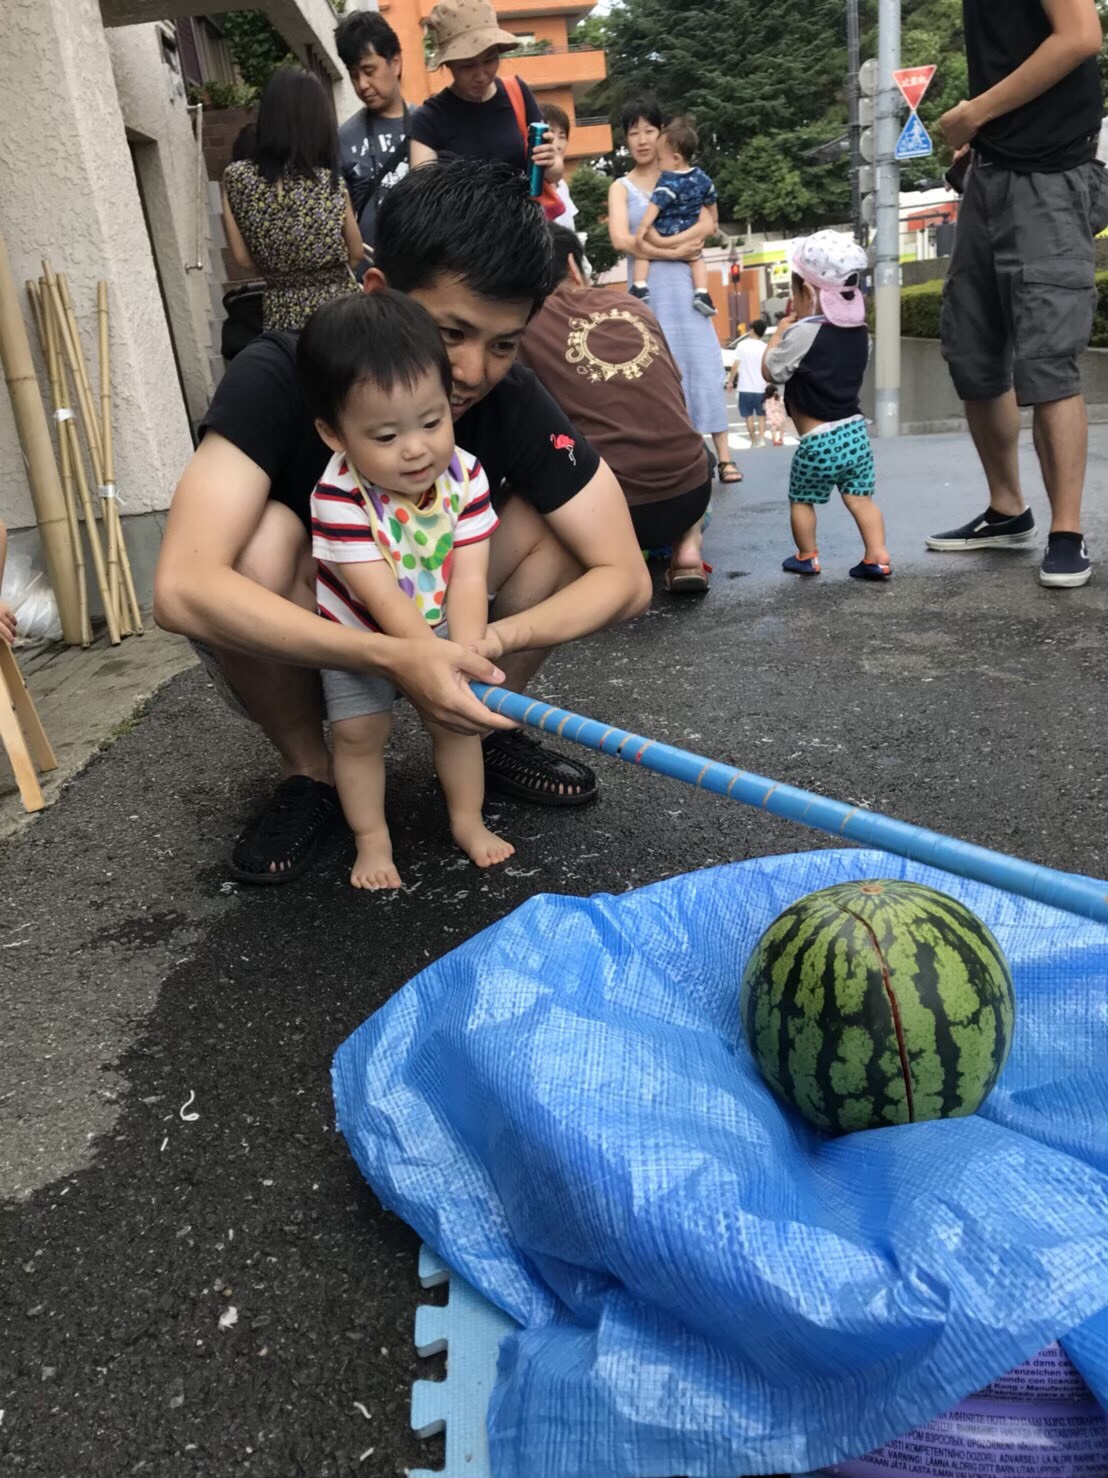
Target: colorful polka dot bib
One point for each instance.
(355, 522)
(417, 539)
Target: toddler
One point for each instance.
(400, 529)
(775, 415)
(680, 195)
(819, 353)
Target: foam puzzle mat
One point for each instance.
(469, 1329)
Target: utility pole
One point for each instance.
(854, 62)
(887, 270)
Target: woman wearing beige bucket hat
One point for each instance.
(476, 116)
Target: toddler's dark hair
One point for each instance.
(382, 339)
(683, 137)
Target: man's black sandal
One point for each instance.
(280, 843)
(518, 766)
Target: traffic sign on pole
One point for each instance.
(915, 141)
(913, 83)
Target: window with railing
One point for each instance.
(547, 48)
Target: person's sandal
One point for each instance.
(729, 481)
(688, 580)
(518, 766)
(280, 843)
(875, 572)
(802, 564)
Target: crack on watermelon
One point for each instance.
(894, 1007)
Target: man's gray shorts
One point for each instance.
(346, 694)
(1020, 297)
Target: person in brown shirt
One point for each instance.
(603, 357)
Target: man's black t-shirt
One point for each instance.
(517, 433)
(457, 129)
(1054, 132)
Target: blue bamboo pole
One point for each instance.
(1085, 897)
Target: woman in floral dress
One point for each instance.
(286, 209)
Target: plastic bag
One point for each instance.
(1040, 1421)
(565, 1109)
(28, 592)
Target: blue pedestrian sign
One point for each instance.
(915, 141)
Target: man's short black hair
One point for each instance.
(566, 244)
(758, 328)
(644, 109)
(360, 31)
(382, 339)
(468, 218)
(556, 117)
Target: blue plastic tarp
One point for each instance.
(566, 1111)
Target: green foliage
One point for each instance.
(592, 32)
(771, 183)
(920, 307)
(919, 310)
(933, 33)
(767, 84)
(589, 189)
(256, 48)
(223, 95)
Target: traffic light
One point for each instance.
(736, 273)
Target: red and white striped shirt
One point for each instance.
(354, 522)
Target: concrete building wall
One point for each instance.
(162, 138)
(68, 192)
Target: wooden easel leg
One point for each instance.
(11, 737)
(25, 711)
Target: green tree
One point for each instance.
(932, 34)
(767, 85)
(257, 49)
(591, 32)
(751, 74)
(590, 195)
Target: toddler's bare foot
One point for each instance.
(482, 846)
(373, 867)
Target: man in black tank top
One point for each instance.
(1020, 296)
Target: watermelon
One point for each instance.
(878, 1003)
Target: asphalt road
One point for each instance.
(134, 979)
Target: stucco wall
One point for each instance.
(68, 192)
(152, 101)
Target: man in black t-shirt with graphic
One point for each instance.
(373, 144)
(236, 573)
(1020, 296)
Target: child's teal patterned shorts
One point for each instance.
(840, 457)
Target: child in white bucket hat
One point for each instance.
(819, 353)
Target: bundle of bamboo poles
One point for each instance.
(38, 453)
(67, 372)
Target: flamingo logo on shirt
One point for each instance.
(563, 443)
